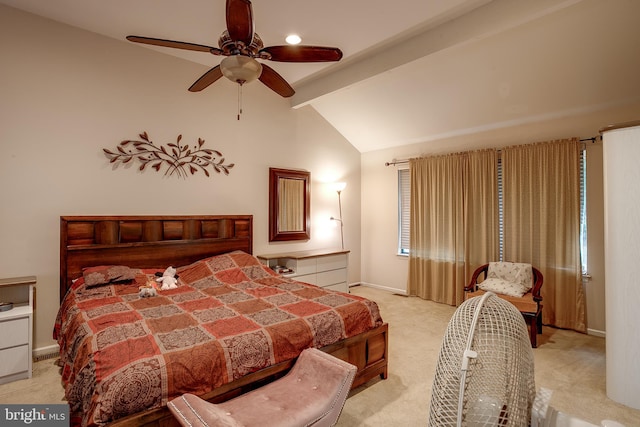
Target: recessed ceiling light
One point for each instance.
(293, 39)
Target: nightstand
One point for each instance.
(322, 267)
(16, 328)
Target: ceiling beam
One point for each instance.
(489, 19)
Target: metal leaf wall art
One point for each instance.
(180, 159)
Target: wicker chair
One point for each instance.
(530, 304)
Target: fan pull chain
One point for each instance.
(239, 100)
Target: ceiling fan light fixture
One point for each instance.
(240, 69)
(240, 46)
(293, 39)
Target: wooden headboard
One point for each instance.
(147, 241)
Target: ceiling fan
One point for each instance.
(241, 45)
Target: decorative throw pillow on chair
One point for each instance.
(508, 278)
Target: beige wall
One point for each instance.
(383, 268)
(65, 94)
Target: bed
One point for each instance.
(230, 326)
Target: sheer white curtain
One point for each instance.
(453, 222)
(541, 185)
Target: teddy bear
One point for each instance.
(169, 279)
(147, 291)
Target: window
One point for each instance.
(500, 212)
(583, 210)
(404, 204)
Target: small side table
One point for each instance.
(16, 328)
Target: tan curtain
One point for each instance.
(447, 230)
(541, 185)
(483, 241)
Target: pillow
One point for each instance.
(503, 287)
(508, 278)
(107, 274)
(225, 261)
(228, 267)
(233, 259)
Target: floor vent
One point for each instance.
(46, 356)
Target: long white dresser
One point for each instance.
(322, 267)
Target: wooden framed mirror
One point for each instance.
(289, 204)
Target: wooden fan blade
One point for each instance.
(206, 79)
(303, 53)
(275, 82)
(240, 21)
(174, 44)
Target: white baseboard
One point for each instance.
(384, 288)
(593, 332)
(596, 333)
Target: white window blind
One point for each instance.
(404, 203)
(500, 211)
(583, 210)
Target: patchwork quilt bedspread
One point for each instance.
(229, 316)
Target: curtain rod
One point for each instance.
(592, 139)
(394, 162)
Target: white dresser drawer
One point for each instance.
(14, 332)
(332, 262)
(306, 278)
(332, 277)
(342, 287)
(305, 266)
(14, 360)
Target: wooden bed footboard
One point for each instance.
(367, 351)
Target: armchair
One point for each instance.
(509, 284)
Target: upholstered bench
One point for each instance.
(517, 283)
(312, 393)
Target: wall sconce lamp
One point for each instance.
(339, 186)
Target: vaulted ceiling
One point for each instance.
(413, 70)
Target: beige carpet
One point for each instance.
(570, 364)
